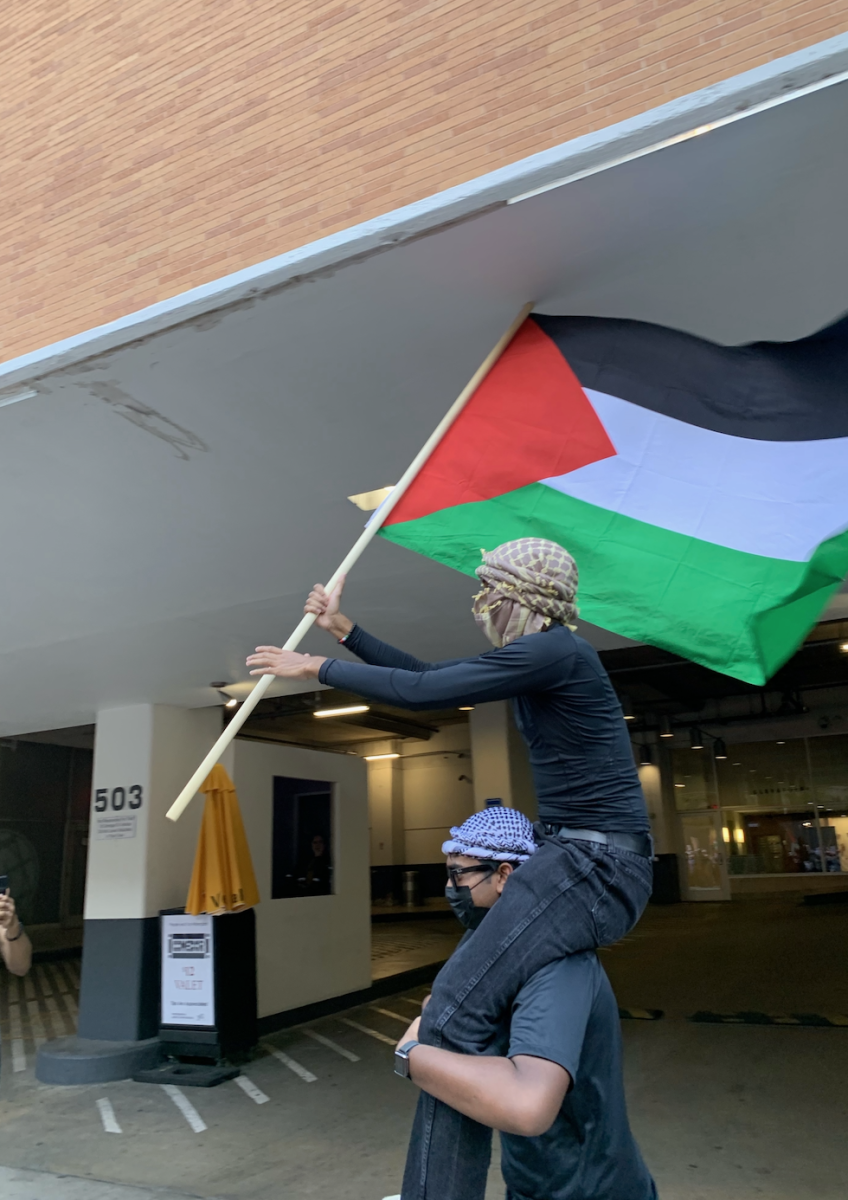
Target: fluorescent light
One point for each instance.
(680, 785)
(725, 833)
(342, 712)
(739, 834)
(369, 501)
(378, 757)
(16, 397)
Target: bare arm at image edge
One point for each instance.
(15, 946)
(520, 1095)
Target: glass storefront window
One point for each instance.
(694, 780)
(784, 803)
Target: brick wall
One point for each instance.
(152, 145)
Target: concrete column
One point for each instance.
(501, 766)
(138, 863)
(665, 826)
(385, 812)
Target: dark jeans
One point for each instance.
(570, 896)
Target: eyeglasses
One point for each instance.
(483, 869)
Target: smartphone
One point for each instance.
(4, 884)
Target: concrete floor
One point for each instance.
(721, 1112)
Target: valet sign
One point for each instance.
(188, 982)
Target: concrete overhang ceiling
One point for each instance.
(168, 504)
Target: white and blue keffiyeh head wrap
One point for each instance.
(498, 834)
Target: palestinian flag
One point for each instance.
(702, 489)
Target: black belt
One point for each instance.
(637, 843)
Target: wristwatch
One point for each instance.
(402, 1058)
(18, 934)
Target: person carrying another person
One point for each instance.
(591, 876)
(553, 1086)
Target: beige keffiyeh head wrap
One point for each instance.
(528, 585)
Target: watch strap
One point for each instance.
(402, 1058)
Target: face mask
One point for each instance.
(462, 902)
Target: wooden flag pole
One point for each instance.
(370, 531)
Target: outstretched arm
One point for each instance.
(325, 607)
(531, 664)
(520, 1095)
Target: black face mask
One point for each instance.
(461, 900)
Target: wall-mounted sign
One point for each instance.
(188, 979)
(115, 812)
(111, 829)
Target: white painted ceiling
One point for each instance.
(166, 506)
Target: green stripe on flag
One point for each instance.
(738, 613)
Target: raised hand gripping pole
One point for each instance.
(372, 528)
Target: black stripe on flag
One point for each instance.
(769, 391)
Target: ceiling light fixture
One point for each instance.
(349, 711)
(696, 741)
(645, 759)
(626, 707)
(465, 708)
(231, 703)
(719, 748)
(16, 397)
(665, 726)
(844, 647)
(378, 757)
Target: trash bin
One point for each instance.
(411, 889)
(666, 888)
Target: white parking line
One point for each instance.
(381, 1037)
(107, 1116)
(409, 1000)
(250, 1089)
(185, 1106)
(38, 1035)
(54, 1019)
(387, 1012)
(331, 1045)
(16, 1034)
(305, 1075)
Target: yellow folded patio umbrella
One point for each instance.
(222, 879)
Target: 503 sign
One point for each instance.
(119, 799)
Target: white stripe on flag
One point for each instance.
(775, 499)
(185, 1106)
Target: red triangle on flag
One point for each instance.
(529, 420)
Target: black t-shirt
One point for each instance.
(564, 706)
(567, 1014)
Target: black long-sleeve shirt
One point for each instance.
(564, 706)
